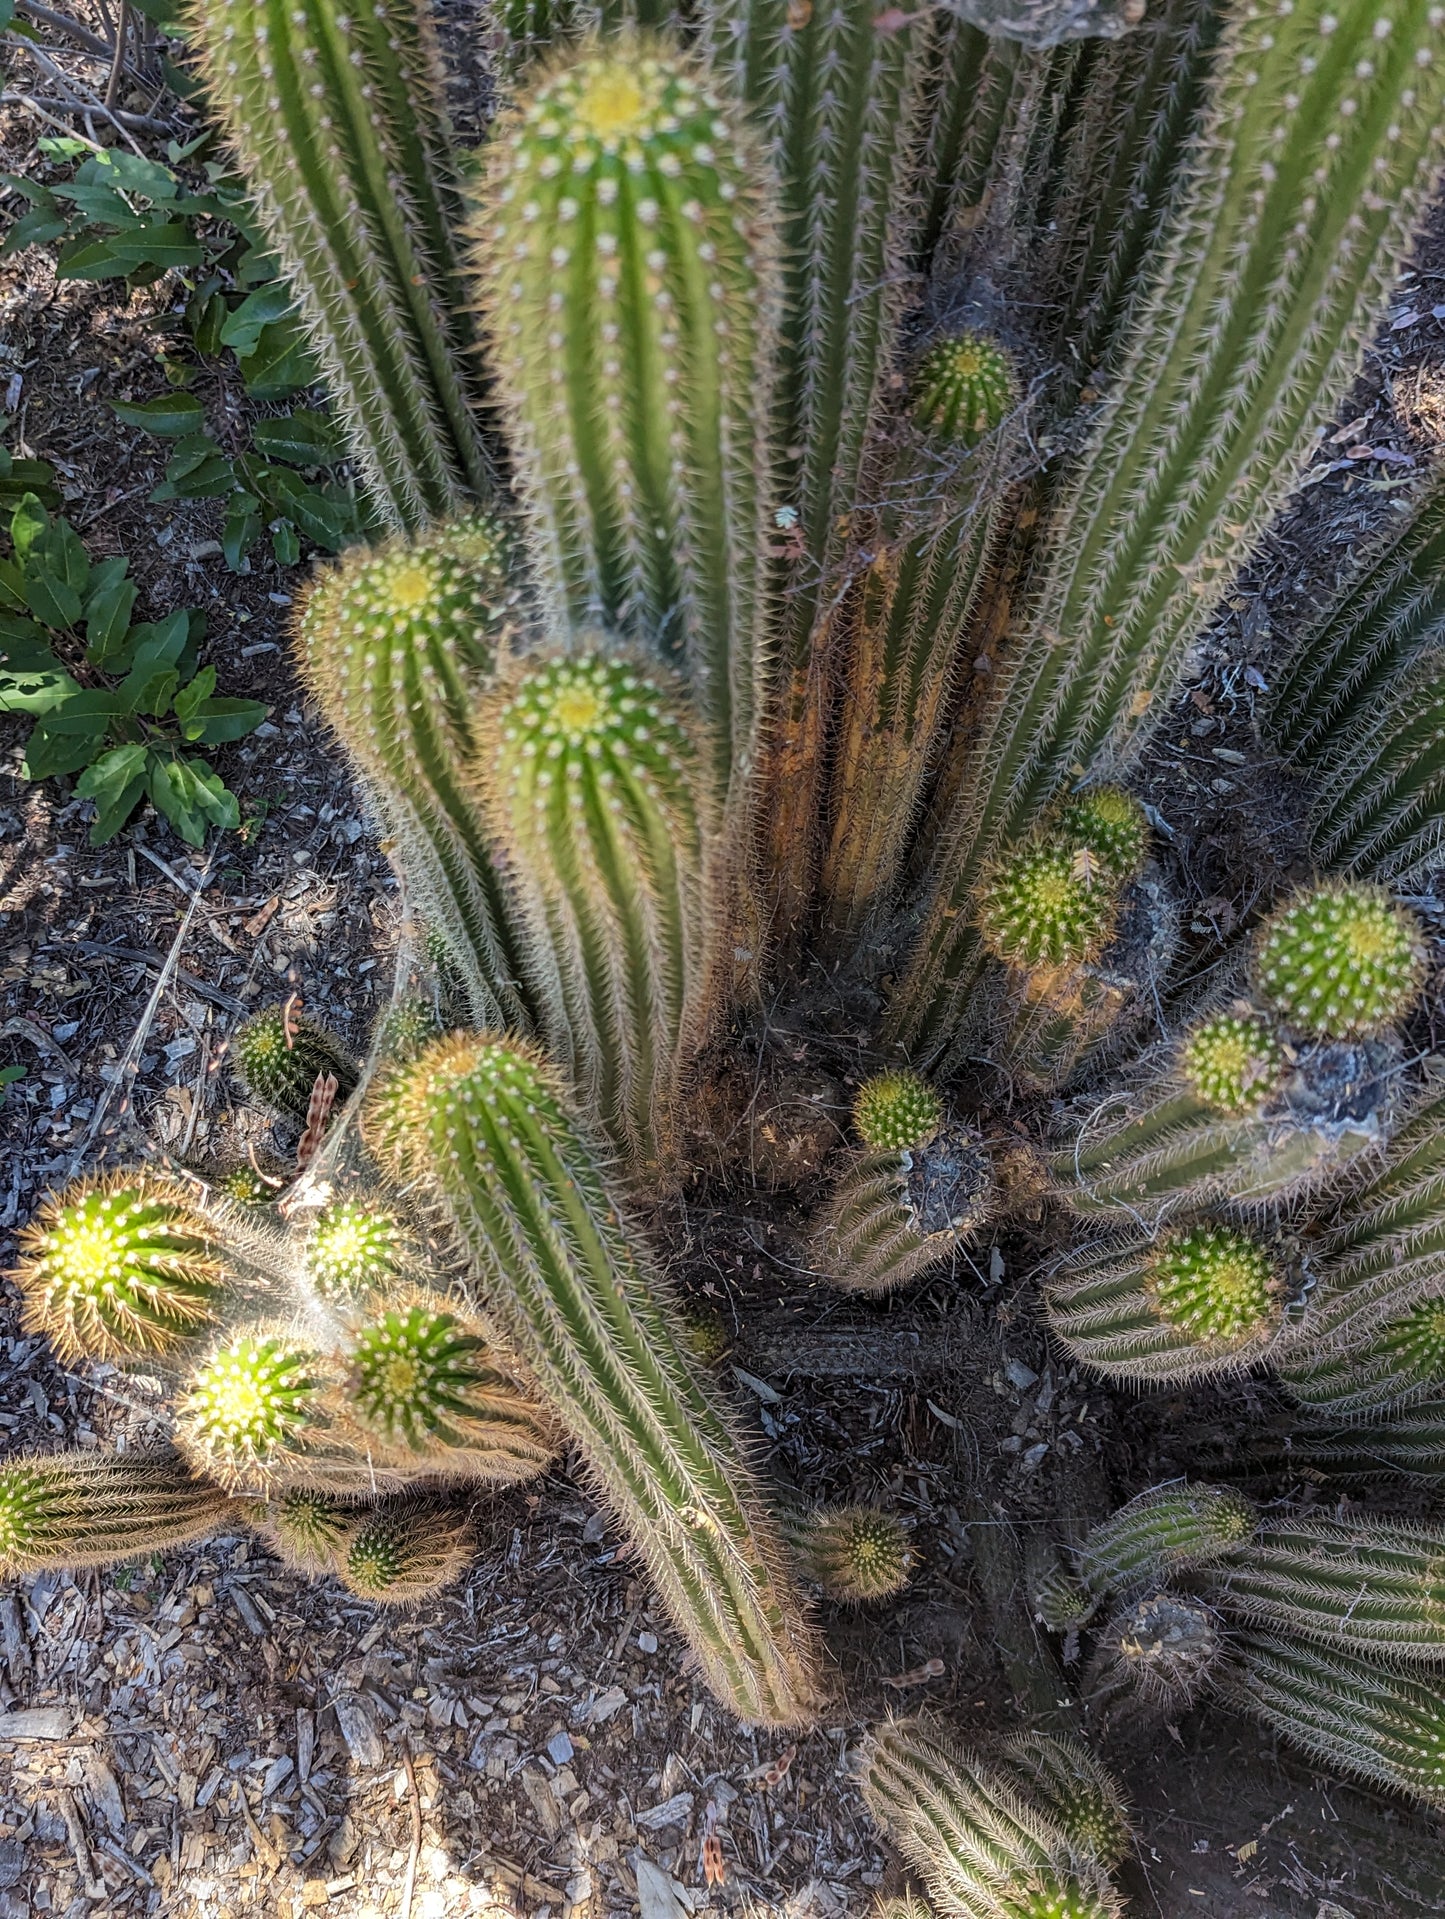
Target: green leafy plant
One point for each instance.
(117, 703)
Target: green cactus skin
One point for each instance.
(983, 1848)
(306, 1529)
(1366, 1587)
(1361, 1370)
(1109, 826)
(1314, 1110)
(636, 384)
(838, 102)
(92, 1509)
(1166, 1530)
(904, 1906)
(1409, 1443)
(1077, 1793)
(1340, 962)
(907, 617)
(421, 1382)
(1379, 791)
(352, 1246)
(1303, 186)
(408, 1549)
(1391, 602)
(247, 1186)
(278, 1058)
(891, 1216)
(396, 642)
(896, 1111)
(1162, 1649)
(600, 799)
(1358, 1717)
(1041, 907)
(486, 1126)
(1202, 1300)
(336, 118)
(855, 1553)
(252, 1407)
(118, 1266)
(969, 79)
(1057, 1600)
(964, 386)
(1231, 1062)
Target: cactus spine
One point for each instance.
(1166, 1530)
(484, 1124)
(279, 1055)
(637, 381)
(1391, 604)
(397, 642)
(1389, 1362)
(1368, 1587)
(1074, 1790)
(985, 1848)
(1321, 139)
(304, 1528)
(337, 120)
(1379, 806)
(407, 1549)
(1162, 1649)
(600, 799)
(1410, 1442)
(1352, 1714)
(1340, 962)
(1202, 1299)
(90, 1509)
(118, 1267)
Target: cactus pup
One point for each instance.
(1167, 1530)
(280, 1056)
(920, 1185)
(407, 1549)
(484, 1125)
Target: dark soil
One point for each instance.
(210, 1734)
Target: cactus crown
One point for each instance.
(118, 1267)
(1417, 1338)
(1340, 960)
(412, 1023)
(246, 1186)
(593, 709)
(1040, 909)
(1231, 1063)
(252, 1400)
(352, 1246)
(1109, 826)
(963, 387)
(306, 1527)
(455, 585)
(859, 1552)
(896, 1112)
(27, 1498)
(412, 1370)
(1216, 1284)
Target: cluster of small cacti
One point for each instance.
(772, 652)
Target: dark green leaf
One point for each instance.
(27, 525)
(303, 438)
(190, 697)
(207, 318)
(245, 325)
(12, 585)
(35, 229)
(117, 783)
(282, 363)
(107, 622)
(32, 680)
(52, 601)
(223, 720)
(9, 1074)
(155, 247)
(239, 533)
(170, 415)
(52, 748)
(62, 553)
(285, 543)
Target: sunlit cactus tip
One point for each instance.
(1042, 907)
(1231, 1062)
(896, 1112)
(254, 1401)
(1340, 960)
(417, 1374)
(353, 1245)
(963, 387)
(280, 1054)
(1220, 1286)
(118, 1266)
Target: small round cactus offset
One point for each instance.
(247, 1186)
(118, 1267)
(1216, 1284)
(306, 1528)
(254, 1401)
(418, 1377)
(1038, 909)
(896, 1112)
(858, 1553)
(1107, 826)
(411, 1024)
(963, 388)
(280, 1054)
(405, 1550)
(1231, 1063)
(352, 1246)
(1340, 961)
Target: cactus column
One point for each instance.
(625, 255)
(1321, 141)
(336, 117)
(485, 1125)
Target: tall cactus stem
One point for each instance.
(483, 1123)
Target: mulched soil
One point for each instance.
(211, 1735)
